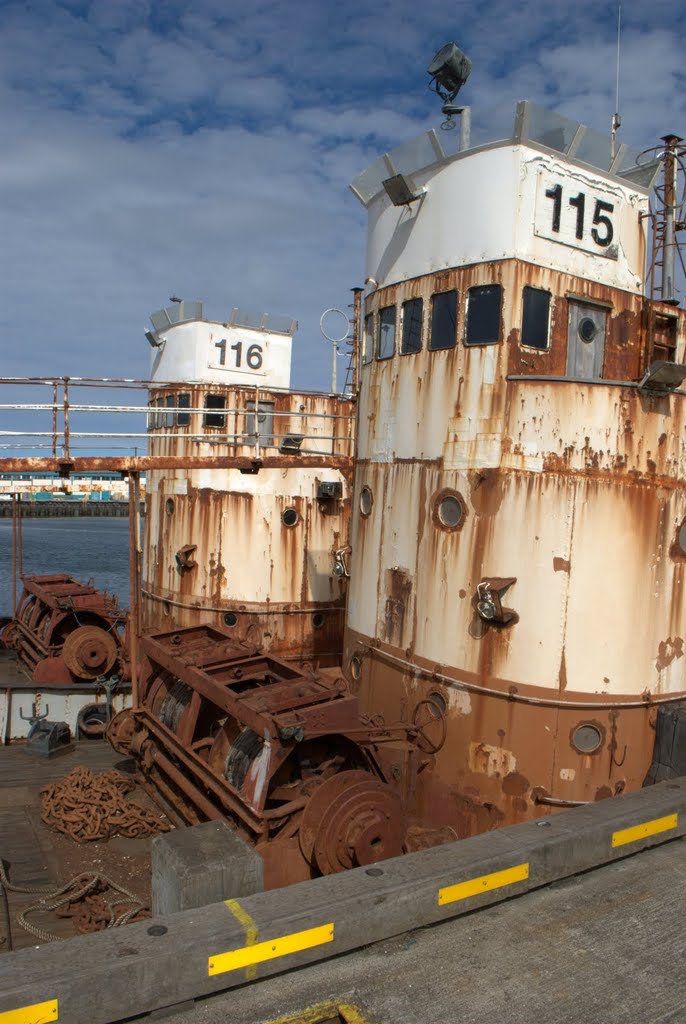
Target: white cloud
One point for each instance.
(153, 148)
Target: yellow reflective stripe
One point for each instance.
(324, 1013)
(270, 950)
(252, 932)
(37, 1013)
(647, 828)
(484, 883)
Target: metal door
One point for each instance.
(585, 340)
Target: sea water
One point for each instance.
(90, 549)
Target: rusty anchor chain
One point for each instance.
(88, 807)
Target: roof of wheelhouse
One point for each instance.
(533, 126)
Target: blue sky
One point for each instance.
(158, 148)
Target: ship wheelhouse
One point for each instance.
(519, 513)
(256, 544)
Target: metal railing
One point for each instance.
(244, 421)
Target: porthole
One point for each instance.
(169, 505)
(449, 510)
(439, 706)
(366, 502)
(355, 667)
(166, 608)
(587, 737)
(587, 329)
(230, 619)
(318, 620)
(290, 517)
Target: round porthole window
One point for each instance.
(587, 737)
(587, 329)
(230, 619)
(355, 667)
(166, 608)
(438, 706)
(449, 510)
(366, 501)
(290, 517)
(169, 505)
(318, 620)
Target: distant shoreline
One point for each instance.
(61, 509)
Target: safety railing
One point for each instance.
(81, 415)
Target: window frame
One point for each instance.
(523, 344)
(379, 325)
(407, 302)
(483, 288)
(217, 410)
(368, 340)
(183, 401)
(434, 296)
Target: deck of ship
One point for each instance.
(35, 856)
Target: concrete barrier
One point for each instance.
(143, 967)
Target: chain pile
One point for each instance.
(87, 807)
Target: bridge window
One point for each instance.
(215, 402)
(169, 415)
(368, 340)
(183, 402)
(385, 342)
(483, 315)
(443, 320)
(411, 340)
(535, 318)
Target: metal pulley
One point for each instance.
(353, 818)
(89, 652)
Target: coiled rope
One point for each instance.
(90, 887)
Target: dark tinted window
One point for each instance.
(368, 340)
(215, 419)
(169, 416)
(183, 402)
(483, 315)
(535, 318)
(386, 338)
(412, 326)
(443, 320)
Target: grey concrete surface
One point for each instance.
(606, 947)
(193, 867)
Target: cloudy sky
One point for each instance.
(159, 147)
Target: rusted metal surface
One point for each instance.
(89, 652)
(134, 583)
(226, 731)
(145, 463)
(572, 496)
(288, 596)
(88, 808)
(67, 632)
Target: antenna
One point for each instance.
(335, 338)
(616, 119)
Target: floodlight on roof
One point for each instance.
(153, 340)
(401, 190)
(449, 71)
